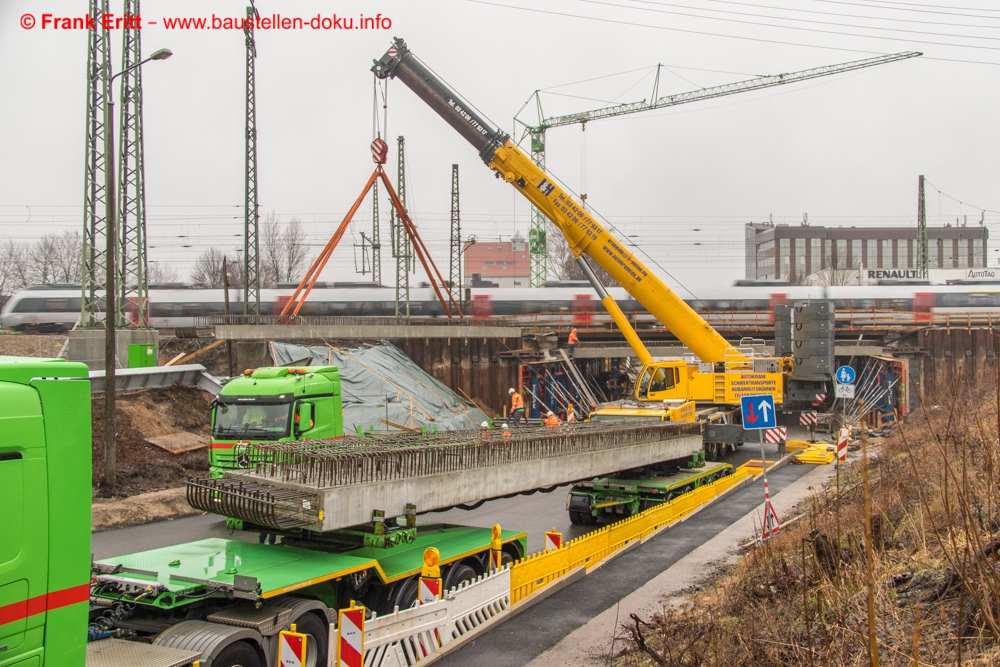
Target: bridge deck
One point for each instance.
(348, 478)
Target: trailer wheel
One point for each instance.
(406, 594)
(712, 451)
(239, 654)
(460, 572)
(319, 636)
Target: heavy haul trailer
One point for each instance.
(631, 491)
(719, 375)
(267, 405)
(220, 602)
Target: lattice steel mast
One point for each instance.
(922, 257)
(536, 236)
(455, 263)
(251, 256)
(93, 277)
(401, 244)
(132, 262)
(376, 242)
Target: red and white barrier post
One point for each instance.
(351, 637)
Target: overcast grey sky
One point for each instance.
(680, 183)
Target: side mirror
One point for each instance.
(303, 419)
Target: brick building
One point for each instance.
(503, 263)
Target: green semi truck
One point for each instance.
(221, 602)
(267, 405)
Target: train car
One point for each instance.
(56, 308)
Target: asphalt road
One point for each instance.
(519, 640)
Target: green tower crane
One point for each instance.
(536, 236)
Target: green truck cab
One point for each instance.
(45, 522)
(273, 405)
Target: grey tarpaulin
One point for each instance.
(381, 384)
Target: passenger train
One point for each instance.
(56, 308)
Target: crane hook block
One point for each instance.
(380, 151)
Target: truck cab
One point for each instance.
(45, 524)
(269, 405)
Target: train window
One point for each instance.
(50, 305)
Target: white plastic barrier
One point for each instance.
(411, 636)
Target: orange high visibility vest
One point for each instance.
(552, 420)
(516, 402)
(572, 337)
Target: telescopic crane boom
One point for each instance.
(584, 234)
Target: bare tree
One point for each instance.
(159, 273)
(208, 269)
(66, 265)
(563, 265)
(283, 251)
(294, 241)
(270, 250)
(837, 273)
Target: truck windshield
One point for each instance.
(252, 420)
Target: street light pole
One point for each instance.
(111, 255)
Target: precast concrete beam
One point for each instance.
(345, 506)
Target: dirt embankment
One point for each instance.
(28, 345)
(141, 415)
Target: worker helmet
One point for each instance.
(484, 425)
(548, 413)
(504, 427)
(511, 391)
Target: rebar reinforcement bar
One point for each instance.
(277, 508)
(321, 464)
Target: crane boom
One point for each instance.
(709, 93)
(584, 234)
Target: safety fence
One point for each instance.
(420, 634)
(416, 635)
(541, 569)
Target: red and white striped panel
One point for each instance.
(842, 445)
(351, 637)
(776, 435)
(808, 419)
(818, 401)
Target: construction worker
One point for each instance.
(551, 419)
(571, 342)
(570, 417)
(516, 407)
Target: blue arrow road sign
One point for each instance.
(758, 412)
(845, 375)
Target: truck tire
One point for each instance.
(582, 518)
(239, 654)
(457, 574)
(405, 595)
(319, 637)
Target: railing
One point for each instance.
(539, 570)
(733, 320)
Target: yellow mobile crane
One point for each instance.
(722, 375)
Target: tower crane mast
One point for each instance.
(536, 132)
